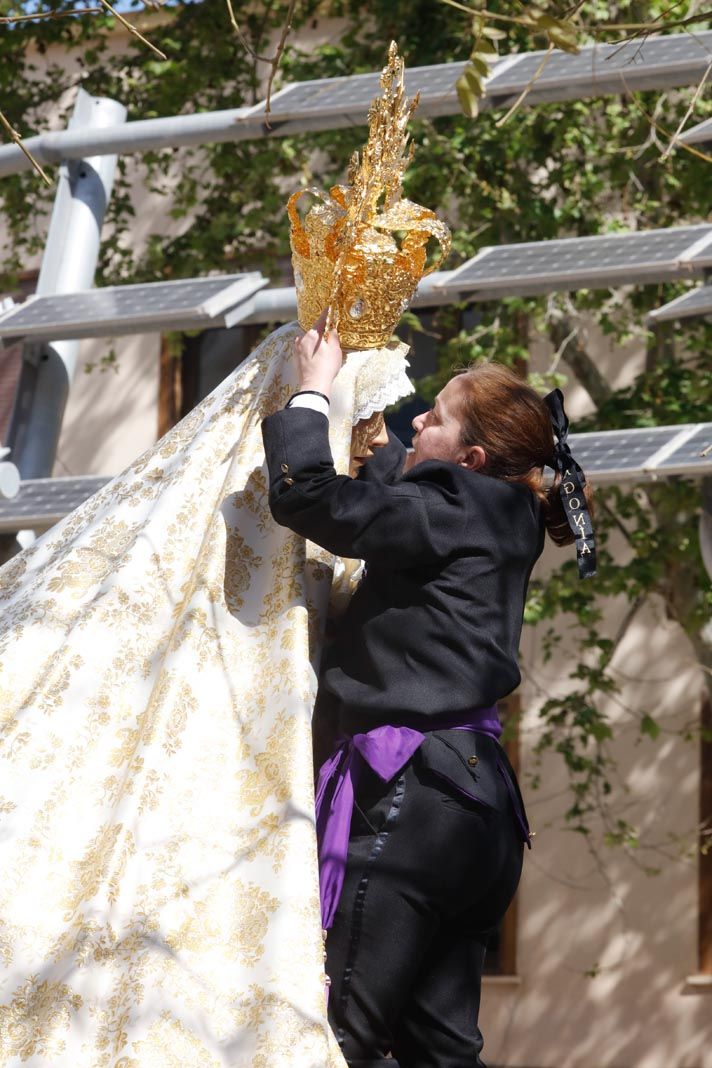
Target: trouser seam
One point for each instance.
(360, 900)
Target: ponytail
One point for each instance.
(521, 434)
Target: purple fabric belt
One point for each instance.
(386, 750)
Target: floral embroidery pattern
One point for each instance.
(157, 654)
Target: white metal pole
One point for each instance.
(69, 262)
(141, 135)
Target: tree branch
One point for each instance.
(565, 336)
(623, 627)
(132, 29)
(241, 36)
(690, 109)
(16, 139)
(617, 522)
(278, 55)
(657, 24)
(38, 16)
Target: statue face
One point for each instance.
(367, 435)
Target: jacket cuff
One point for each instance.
(296, 445)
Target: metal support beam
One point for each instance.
(701, 134)
(68, 265)
(142, 135)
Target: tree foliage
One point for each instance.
(561, 169)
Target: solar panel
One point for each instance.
(42, 502)
(696, 302)
(655, 63)
(699, 134)
(629, 455)
(352, 95)
(691, 454)
(584, 262)
(618, 454)
(186, 304)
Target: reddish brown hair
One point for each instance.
(511, 422)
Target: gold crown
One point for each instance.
(361, 249)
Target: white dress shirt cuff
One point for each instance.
(310, 400)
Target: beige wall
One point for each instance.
(112, 414)
(584, 909)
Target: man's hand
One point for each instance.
(318, 359)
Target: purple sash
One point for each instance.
(386, 750)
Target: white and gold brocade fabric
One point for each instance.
(159, 899)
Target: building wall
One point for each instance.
(586, 908)
(112, 411)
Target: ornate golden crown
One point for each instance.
(361, 250)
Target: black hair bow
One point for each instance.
(571, 487)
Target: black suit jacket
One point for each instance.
(433, 629)
(386, 464)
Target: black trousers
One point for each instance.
(430, 874)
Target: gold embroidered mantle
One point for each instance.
(159, 895)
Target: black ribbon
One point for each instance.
(571, 487)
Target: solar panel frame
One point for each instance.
(354, 93)
(186, 303)
(643, 454)
(521, 269)
(658, 62)
(42, 502)
(691, 454)
(698, 302)
(636, 65)
(619, 455)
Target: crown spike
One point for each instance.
(345, 255)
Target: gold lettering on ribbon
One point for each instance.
(569, 487)
(574, 503)
(585, 549)
(580, 521)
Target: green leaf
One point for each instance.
(565, 38)
(474, 80)
(486, 47)
(481, 65)
(493, 33)
(649, 726)
(545, 22)
(600, 731)
(467, 99)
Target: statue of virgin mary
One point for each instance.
(159, 900)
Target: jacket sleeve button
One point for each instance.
(473, 761)
(289, 481)
(285, 468)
